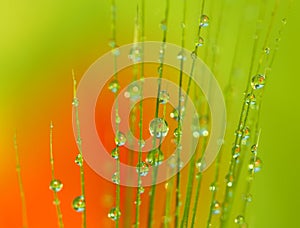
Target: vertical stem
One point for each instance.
(56, 199)
(79, 145)
(20, 182)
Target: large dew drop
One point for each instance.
(158, 127)
(79, 204)
(55, 185)
(204, 21)
(258, 81)
(114, 214)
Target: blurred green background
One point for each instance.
(41, 41)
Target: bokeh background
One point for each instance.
(41, 42)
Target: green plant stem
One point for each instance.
(160, 73)
(79, 145)
(20, 182)
(56, 199)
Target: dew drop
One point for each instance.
(254, 149)
(181, 56)
(236, 151)
(284, 21)
(216, 209)
(200, 165)
(229, 180)
(114, 214)
(115, 153)
(112, 43)
(114, 86)
(135, 54)
(158, 127)
(250, 99)
(75, 102)
(213, 187)
(141, 143)
(55, 185)
(116, 51)
(163, 25)
(258, 81)
(164, 97)
(79, 204)
(173, 162)
(240, 220)
(120, 139)
(255, 165)
(199, 42)
(134, 91)
(204, 21)
(194, 55)
(141, 190)
(248, 197)
(155, 157)
(116, 178)
(177, 133)
(142, 168)
(79, 160)
(246, 134)
(267, 50)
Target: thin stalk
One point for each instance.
(20, 182)
(79, 145)
(56, 199)
(160, 74)
(178, 176)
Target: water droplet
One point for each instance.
(216, 209)
(116, 178)
(164, 97)
(173, 161)
(258, 81)
(79, 204)
(181, 56)
(116, 51)
(229, 180)
(200, 164)
(115, 153)
(120, 139)
(267, 50)
(134, 91)
(114, 86)
(177, 133)
(163, 25)
(239, 220)
(114, 214)
(213, 187)
(194, 55)
(254, 149)
(155, 157)
(248, 197)
(141, 190)
(135, 54)
(199, 42)
(255, 164)
(79, 160)
(175, 113)
(250, 99)
(75, 102)
(246, 134)
(141, 143)
(112, 43)
(158, 127)
(236, 151)
(118, 119)
(142, 168)
(204, 21)
(284, 21)
(55, 185)
(138, 203)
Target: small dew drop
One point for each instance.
(75, 102)
(250, 99)
(141, 190)
(116, 51)
(229, 180)
(135, 54)
(164, 97)
(173, 162)
(216, 209)
(246, 134)
(115, 153)
(134, 91)
(158, 127)
(284, 21)
(258, 81)
(255, 165)
(79, 160)
(116, 178)
(120, 139)
(142, 168)
(254, 149)
(248, 197)
(112, 43)
(141, 143)
(267, 50)
(213, 187)
(204, 21)
(155, 157)
(114, 214)
(200, 165)
(240, 220)
(79, 204)
(199, 42)
(236, 151)
(163, 25)
(55, 185)
(177, 133)
(181, 56)
(114, 86)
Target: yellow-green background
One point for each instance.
(41, 41)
